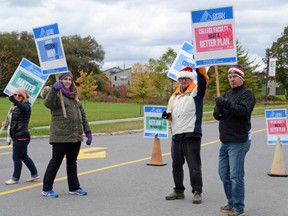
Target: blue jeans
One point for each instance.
(20, 153)
(231, 172)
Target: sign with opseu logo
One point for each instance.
(50, 50)
(213, 32)
(153, 122)
(183, 59)
(29, 76)
(276, 122)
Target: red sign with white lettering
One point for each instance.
(212, 38)
(277, 126)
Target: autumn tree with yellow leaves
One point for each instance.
(86, 85)
(141, 85)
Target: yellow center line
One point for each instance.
(102, 169)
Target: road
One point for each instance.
(114, 171)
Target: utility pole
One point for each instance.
(267, 75)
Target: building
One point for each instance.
(118, 76)
(274, 88)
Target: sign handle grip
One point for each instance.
(217, 81)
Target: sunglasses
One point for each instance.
(17, 95)
(184, 79)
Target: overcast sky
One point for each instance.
(132, 31)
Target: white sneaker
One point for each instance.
(11, 182)
(32, 179)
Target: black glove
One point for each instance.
(218, 110)
(227, 104)
(166, 115)
(220, 101)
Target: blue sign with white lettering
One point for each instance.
(153, 122)
(211, 15)
(50, 50)
(275, 113)
(46, 31)
(183, 59)
(214, 38)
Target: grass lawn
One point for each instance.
(104, 111)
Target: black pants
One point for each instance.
(59, 150)
(186, 148)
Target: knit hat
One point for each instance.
(23, 92)
(237, 70)
(187, 72)
(63, 75)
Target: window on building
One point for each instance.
(115, 78)
(123, 77)
(280, 91)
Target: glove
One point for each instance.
(220, 101)
(88, 135)
(218, 110)
(227, 104)
(57, 85)
(166, 115)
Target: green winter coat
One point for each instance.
(71, 128)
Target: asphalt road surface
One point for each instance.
(114, 171)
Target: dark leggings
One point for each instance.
(59, 150)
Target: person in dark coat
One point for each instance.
(233, 111)
(17, 129)
(66, 134)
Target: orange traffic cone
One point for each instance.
(278, 166)
(156, 159)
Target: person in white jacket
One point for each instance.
(185, 110)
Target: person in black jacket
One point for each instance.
(233, 111)
(17, 129)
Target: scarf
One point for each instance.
(68, 92)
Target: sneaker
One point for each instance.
(175, 195)
(79, 192)
(225, 209)
(235, 213)
(32, 179)
(49, 193)
(11, 182)
(197, 199)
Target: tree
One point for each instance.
(141, 85)
(87, 85)
(163, 85)
(14, 46)
(251, 80)
(279, 50)
(83, 54)
(20, 45)
(8, 65)
(103, 83)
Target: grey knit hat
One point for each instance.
(63, 75)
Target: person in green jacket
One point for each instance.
(66, 134)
